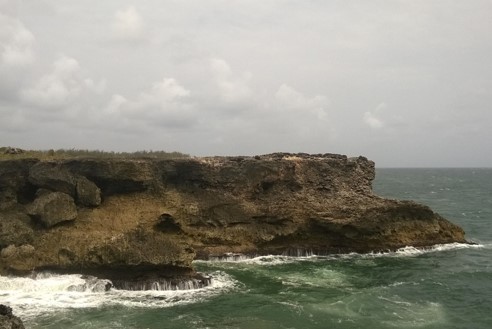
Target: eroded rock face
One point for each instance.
(15, 228)
(156, 216)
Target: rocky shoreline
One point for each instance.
(138, 221)
(8, 320)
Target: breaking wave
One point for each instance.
(45, 293)
(308, 255)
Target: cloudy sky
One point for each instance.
(403, 82)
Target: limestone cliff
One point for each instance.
(130, 219)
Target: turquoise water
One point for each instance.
(445, 287)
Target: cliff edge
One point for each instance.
(128, 220)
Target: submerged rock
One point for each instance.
(160, 215)
(92, 284)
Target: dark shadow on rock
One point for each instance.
(168, 224)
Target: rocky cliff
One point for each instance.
(135, 220)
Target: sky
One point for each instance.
(406, 83)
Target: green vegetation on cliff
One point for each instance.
(8, 153)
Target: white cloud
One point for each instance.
(56, 89)
(292, 99)
(61, 87)
(97, 87)
(372, 121)
(165, 104)
(127, 24)
(165, 92)
(373, 118)
(116, 105)
(232, 88)
(16, 42)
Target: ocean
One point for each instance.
(445, 286)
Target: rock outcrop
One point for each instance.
(147, 219)
(8, 320)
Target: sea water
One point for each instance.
(446, 286)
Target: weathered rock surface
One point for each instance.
(15, 228)
(53, 207)
(141, 220)
(8, 320)
(53, 176)
(88, 194)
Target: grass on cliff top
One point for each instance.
(83, 154)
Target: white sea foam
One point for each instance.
(320, 277)
(271, 260)
(30, 297)
(410, 251)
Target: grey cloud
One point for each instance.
(16, 42)
(127, 24)
(58, 88)
(255, 76)
(165, 104)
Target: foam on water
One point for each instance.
(411, 251)
(46, 293)
(318, 278)
(270, 260)
(376, 308)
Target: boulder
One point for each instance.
(52, 176)
(88, 194)
(8, 320)
(53, 208)
(18, 259)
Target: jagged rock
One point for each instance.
(88, 194)
(159, 215)
(53, 208)
(8, 320)
(93, 284)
